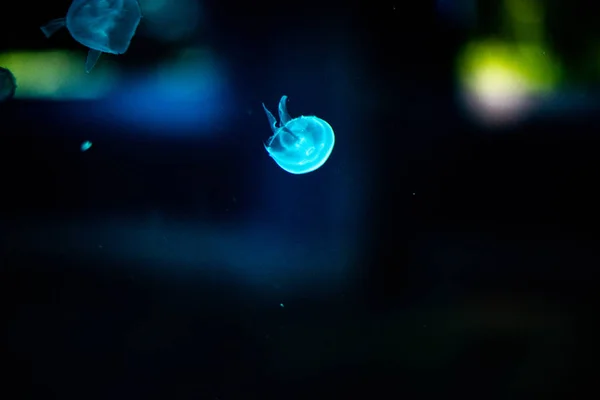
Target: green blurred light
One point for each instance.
(502, 82)
(57, 75)
(527, 67)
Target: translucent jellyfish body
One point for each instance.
(8, 84)
(299, 145)
(105, 26)
(85, 146)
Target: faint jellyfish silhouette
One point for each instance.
(8, 84)
(299, 145)
(86, 145)
(105, 26)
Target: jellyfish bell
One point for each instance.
(104, 26)
(299, 145)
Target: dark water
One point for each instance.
(426, 257)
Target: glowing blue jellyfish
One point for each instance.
(8, 84)
(299, 145)
(105, 26)
(86, 145)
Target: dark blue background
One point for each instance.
(478, 284)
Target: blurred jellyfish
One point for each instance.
(105, 26)
(8, 84)
(299, 145)
(86, 145)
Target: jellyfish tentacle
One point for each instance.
(284, 116)
(287, 130)
(51, 27)
(271, 118)
(92, 59)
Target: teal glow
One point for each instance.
(105, 26)
(86, 145)
(299, 145)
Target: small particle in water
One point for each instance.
(86, 145)
(281, 305)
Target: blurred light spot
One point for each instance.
(56, 75)
(86, 145)
(170, 20)
(281, 305)
(501, 82)
(186, 94)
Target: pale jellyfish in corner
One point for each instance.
(8, 84)
(104, 26)
(299, 145)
